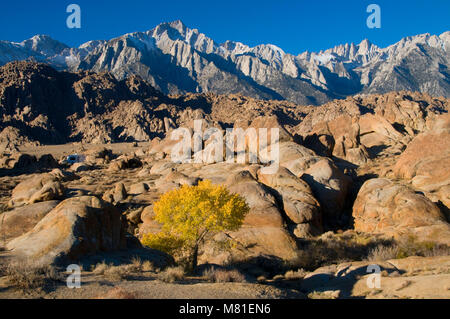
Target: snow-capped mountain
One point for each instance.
(177, 59)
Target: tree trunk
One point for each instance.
(194, 258)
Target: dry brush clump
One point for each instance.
(295, 274)
(26, 275)
(223, 275)
(382, 253)
(119, 273)
(172, 274)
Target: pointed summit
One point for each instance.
(178, 25)
(44, 44)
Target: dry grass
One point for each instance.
(382, 253)
(30, 276)
(149, 266)
(117, 293)
(101, 268)
(138, 266)
(172, 274)
(333, 248)
(407, 248)
(222, 275)
(118, 273)
(295, 275)
(336, 248)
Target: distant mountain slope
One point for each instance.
(177, 59)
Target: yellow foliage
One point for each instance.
(162, 242)
(190, 212)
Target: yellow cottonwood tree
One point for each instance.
(190, 213)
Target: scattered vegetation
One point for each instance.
(28, 276)
(118, 273)
(189, 214)
(407, 248)
(223, 275)
(333, 248)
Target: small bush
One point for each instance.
(382, 253)
(101, 268)
(136, 265)
(29, 276)
(295, 275)
(117, 273)
(222, 275)
(172, 274)
(148, 266)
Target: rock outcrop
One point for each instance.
(21, 220)
(391, 209)
(76, 228)
(40, 188)
(426, 161)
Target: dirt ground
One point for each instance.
(413, 278)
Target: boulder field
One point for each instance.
(376, 164)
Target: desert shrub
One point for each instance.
(101, 268)
(382, 253)
(117, 273)
(148, 266)
(136, 265)
(29, 276)
(411, 247)
(295, 275)
(172, 274)
(190, 213)
(223, 275)
(438, 250)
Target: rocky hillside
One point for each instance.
(176, 59)
(41, 105)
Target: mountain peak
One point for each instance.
(44, 44)
(178, 24)
(263, 71)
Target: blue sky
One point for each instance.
(295, 26)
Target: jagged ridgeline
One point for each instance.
(176, 59)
